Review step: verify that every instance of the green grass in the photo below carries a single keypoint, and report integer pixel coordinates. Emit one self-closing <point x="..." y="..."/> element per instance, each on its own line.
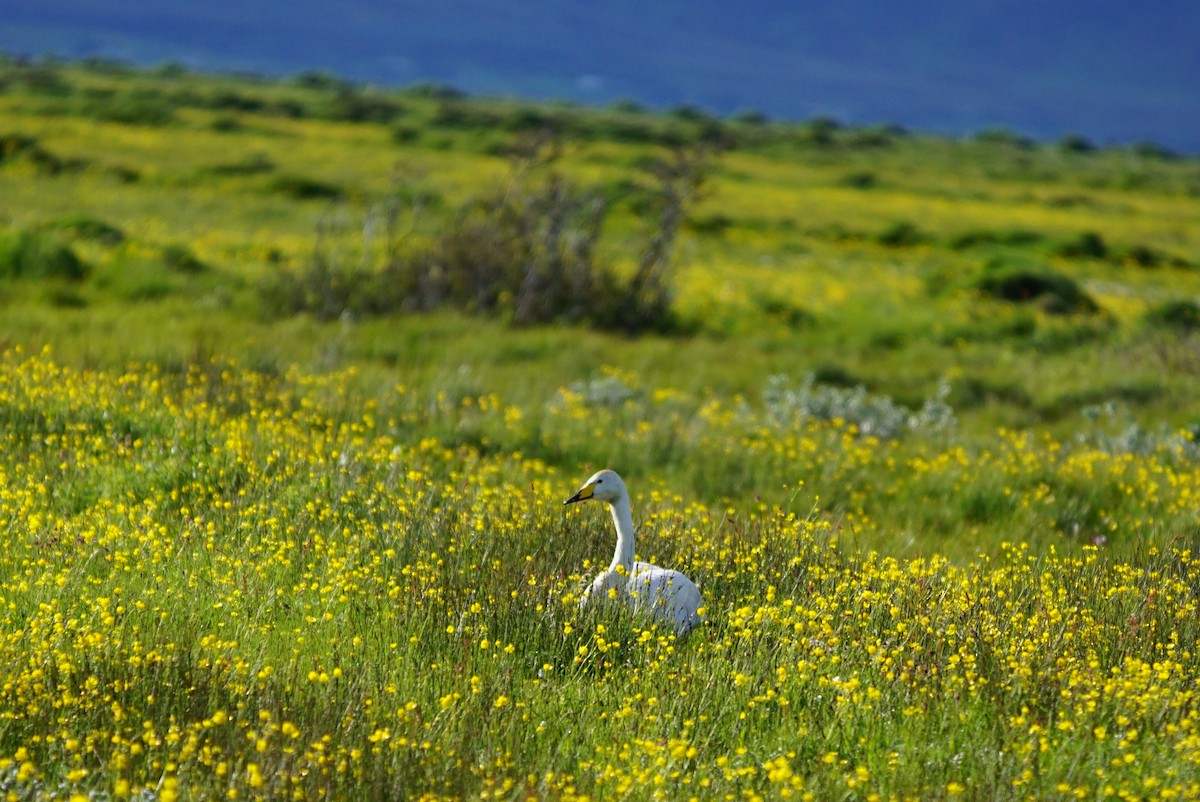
<point x="259" y="556"/>
<point x="220" y="581"/>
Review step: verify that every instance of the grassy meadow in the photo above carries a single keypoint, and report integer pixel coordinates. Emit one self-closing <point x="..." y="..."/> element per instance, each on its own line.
<point x="922" y="428"/>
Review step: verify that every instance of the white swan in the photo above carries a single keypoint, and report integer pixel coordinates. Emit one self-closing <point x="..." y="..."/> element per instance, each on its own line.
<point x="666" y="595"/>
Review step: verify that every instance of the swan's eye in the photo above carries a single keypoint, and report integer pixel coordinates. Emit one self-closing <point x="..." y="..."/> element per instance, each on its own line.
<point x="599" y="481"/>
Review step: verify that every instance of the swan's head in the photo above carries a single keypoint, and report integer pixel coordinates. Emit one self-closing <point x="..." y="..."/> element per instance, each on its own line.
<point x="603" y="486"/>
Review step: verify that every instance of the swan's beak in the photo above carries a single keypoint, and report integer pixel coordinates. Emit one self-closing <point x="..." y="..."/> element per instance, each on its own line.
<point x="584" y="494"/>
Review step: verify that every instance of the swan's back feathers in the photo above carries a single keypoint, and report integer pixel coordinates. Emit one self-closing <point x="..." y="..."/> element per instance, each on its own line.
<point x="666" y="595"/>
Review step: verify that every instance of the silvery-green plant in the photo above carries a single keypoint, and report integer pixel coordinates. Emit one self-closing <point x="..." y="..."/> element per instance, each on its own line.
<point x="1114" y="431"/>
<point x="873" y="415"/>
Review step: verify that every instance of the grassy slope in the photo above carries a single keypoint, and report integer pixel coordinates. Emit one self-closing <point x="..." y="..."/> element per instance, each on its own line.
<point x="271" y="556"/>
<point x="782" y="270"/>
<point x="793" y="237"/>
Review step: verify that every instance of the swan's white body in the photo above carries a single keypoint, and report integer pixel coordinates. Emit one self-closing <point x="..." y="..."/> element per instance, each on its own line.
<point x="666" y="595"/>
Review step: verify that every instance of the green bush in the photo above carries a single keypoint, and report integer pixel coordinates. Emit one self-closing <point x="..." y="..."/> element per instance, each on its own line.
<point x="1054" y="292"/>
<point x="64" y="296"/>
<point x="1076" y="143"/>
<point x="876" y="136"/>
<point x="324" y="81"/>
<point x="42" y="77"/>
<point x="820" y="131"/>
<point x="714" y="224"/>
<point x="132" y="107"/>
<point x="361" y="106"/>
<point x="252" y="164"/>
<point x="1148" y="256"/>
<point x="180" y="258"/>
<point x="231" y="100"/>
<point x="303" y="188"/>
<point x="1145" y="256"/>
<point x="1004" y="138"/>
<point x="89" y="228"/>
<point x="632" y="129"/>
<point x="901" y="235"/>
<point x="1088" y="245"/>
<point x="860" y="180"/>
<point x="38" y="255"/>
<point x="751" y="117"/>
<point x="405" y="134"/>
<point x="789" y="314"/>
<point x="14" y="147"/>
<point x="531" y="119"/>
<point x="1016" y="237"/>
<point x="1179" y="315"/>
<point x="455" y="114"/>
<point x="1153" y="151"/>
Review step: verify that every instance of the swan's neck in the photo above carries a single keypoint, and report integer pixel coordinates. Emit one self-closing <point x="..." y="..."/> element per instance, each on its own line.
<point x="623" y="518"/>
